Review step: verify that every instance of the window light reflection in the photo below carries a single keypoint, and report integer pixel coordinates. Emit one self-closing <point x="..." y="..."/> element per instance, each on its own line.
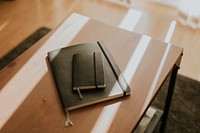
<point x="14" y="92"/>
<point x="130" y="20"/>
<point x="156" y="78"/>
<point x="108" y="113"/>
<point x="105" y="119"/>
<point x="136" y="57"/>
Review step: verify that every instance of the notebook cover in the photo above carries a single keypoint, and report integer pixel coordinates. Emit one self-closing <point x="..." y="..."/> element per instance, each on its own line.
<point x="88" y="72"/>
<point x="61" y="64"/>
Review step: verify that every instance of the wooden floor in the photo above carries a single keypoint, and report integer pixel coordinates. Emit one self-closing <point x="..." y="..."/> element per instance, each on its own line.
<point x="20" y="18"/>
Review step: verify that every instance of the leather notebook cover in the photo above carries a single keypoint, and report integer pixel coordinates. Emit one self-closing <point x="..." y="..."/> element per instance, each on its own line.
<point x="88" y="71"/>
<point x="61" y="62"/>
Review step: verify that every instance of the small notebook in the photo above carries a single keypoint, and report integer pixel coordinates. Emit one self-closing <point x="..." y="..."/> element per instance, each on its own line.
<point x="88" y="71"/>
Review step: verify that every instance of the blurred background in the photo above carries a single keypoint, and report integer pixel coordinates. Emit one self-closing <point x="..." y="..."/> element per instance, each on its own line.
<point x="20" y="18"/>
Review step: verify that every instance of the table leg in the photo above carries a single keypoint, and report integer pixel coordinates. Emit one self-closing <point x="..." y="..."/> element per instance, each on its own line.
<point x="169" y="97"/>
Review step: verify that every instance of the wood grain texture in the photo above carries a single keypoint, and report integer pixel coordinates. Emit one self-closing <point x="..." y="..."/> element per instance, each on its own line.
<point x="20" y="78"/>
<point x="41" y="110"/>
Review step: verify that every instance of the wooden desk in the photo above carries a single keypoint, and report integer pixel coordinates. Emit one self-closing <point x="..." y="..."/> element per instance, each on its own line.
<point x="29" y="101"/>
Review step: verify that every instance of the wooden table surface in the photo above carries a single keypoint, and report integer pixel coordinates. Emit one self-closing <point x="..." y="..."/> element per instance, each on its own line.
<point x="29" y="101"/>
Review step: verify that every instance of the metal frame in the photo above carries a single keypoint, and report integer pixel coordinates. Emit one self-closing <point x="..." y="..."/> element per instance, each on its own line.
<point x="169" y="97"/>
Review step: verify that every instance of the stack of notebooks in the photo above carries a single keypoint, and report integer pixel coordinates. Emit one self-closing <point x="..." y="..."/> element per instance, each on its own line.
<point x="86" y="74"/>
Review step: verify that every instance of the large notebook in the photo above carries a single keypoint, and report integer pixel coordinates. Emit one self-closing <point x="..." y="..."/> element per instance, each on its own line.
<point x="61" y="62"/>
